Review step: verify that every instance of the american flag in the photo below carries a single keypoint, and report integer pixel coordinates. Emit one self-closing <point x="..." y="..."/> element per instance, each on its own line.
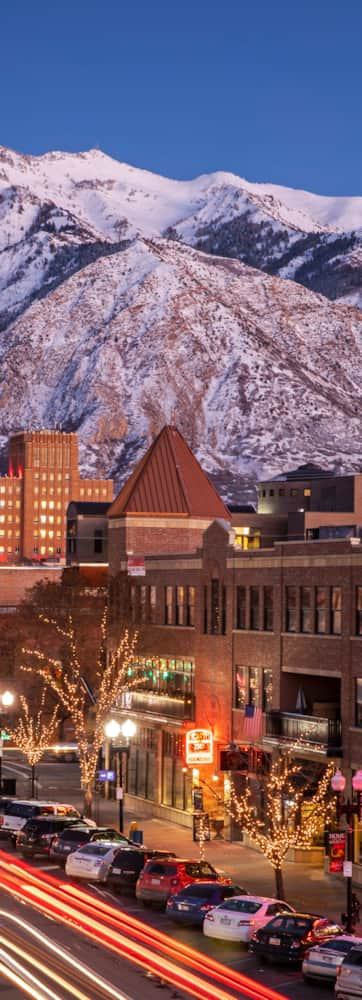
<point x="252" y="725"/>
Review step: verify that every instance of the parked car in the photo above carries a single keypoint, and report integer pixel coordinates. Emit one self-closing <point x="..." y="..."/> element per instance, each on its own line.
<point x="237" y="919"/>
<point x="76" y="836"/>
<point x="4" y="803"/>
<point x="92" y="861"/>
<point x="127" y="865"/>
<point x="349" y="976"/>
<point x="288" y="937"/>
<point x="191" y="905"/>
<point x="37" y="836"/>
<point x="324" y="960"/>
<point x="161" y="879"/>
<point x="20" y="810"/>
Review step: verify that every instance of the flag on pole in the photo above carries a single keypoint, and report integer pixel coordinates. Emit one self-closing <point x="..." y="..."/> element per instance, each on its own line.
<point x="252" y="725"/>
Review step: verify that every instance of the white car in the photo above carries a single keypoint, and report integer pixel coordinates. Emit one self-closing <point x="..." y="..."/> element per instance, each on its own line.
<point x="323" y="961"/>
<point x="92" y="861"/>
<point x="236" y="919"/>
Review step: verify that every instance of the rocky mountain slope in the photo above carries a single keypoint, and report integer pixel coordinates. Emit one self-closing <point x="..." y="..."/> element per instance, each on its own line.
<point x="257" y="372"/>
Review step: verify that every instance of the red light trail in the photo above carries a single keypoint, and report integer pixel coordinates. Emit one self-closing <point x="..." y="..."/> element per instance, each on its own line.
<point x="105" y="924"/>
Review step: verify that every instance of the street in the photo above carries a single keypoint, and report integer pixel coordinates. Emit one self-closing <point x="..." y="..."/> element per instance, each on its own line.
<point x="308" y="889"/>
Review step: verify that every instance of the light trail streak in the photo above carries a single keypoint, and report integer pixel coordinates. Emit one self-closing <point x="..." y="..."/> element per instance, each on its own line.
<point x="79" y="910"/>
<point x="60" y="953"/>
<point x="18" y="975"/>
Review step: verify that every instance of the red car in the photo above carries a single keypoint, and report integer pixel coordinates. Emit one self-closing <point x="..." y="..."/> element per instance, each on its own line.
<point x="161" y="879"/>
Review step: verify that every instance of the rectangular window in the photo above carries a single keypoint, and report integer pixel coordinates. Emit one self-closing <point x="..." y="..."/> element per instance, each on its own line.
<point x="206" y="617"/>
<point x="321" y="610"/>
<point x="336" y="610"/>
<point x="143" y="602"/>
<point x="241" y="680"/>
<point x="168" y="605"/>
<point x="98" y="541"/>
<point x="254" y="608"/>
<point x="153" y="604"/>
<point x="307" y="609"/>
<point x="267" y="690"/>
<point x="359" y="702"/>
<point x="359" y="611"/>
<point x="294" y="493"/>
<point x="291" y="617"/>
<point x="180" y="605"/>
<point x="191" y="598"/>
<point x="307" y="493"/>
<point x="268" y="609"/>
<point x="282" y="493"/>
<point x="255" y="689"/>
<point x="241" y="607"/>
<point x="215" y="607"/>
<point x="223" y="610"/>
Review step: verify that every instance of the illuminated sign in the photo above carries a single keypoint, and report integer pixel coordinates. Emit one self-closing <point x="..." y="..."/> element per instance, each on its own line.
<point x="199" y="746"/>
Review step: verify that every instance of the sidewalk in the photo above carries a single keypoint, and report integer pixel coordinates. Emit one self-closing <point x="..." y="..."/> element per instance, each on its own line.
<point x="306" y="888"/>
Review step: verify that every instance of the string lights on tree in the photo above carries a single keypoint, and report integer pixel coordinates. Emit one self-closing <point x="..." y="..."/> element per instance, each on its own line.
<point x="64" y="677"/>
<point x="286" y="825"/>
<point x="33" y="733"/>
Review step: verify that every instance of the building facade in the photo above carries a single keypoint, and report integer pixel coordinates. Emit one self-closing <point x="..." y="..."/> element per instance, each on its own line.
<point x="43" y="477"/>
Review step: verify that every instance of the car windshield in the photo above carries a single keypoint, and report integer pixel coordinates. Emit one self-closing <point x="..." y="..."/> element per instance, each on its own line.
<point x="241" y="905"/>
<point x="97" y="850"/>
<point x="155" y="868"/>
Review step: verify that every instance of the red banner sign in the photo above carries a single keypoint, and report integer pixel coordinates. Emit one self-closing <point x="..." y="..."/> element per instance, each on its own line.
<point x="337" y="851"/>
<point x="136" y="566"/>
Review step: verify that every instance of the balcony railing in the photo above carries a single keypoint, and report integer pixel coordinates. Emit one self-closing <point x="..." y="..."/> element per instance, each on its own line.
<point x="172" y="707"/>
<point x="309" y="731"/>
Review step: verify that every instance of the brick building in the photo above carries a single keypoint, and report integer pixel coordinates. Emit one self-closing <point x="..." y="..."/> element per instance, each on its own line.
<point x="258" y="646"/>
<point x="43" y="477"/>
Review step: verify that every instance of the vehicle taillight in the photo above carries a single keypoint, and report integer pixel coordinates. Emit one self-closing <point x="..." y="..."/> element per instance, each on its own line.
<point x="206" y="906"/>
<point x="209" y="916"/>
<point x="56" y="842"/>
<point x="174" y="881"/>
<point x="244" y="923"/>
<point x="295" y="944"/>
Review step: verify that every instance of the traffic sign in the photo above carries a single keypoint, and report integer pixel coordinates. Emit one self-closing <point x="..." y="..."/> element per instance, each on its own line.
<point x="5" y="735"/>
<point x="106" y="775"/>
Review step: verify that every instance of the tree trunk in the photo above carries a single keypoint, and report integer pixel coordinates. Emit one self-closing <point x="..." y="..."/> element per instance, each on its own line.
<point x="88" y="801"/>
<point x="279" y="883"/>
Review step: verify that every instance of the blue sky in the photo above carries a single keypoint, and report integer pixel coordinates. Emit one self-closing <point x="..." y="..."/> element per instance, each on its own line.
<point x="268" y="90"/>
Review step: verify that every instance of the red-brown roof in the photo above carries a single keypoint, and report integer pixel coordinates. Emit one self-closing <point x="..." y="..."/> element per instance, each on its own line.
<point x="169" y="480"/>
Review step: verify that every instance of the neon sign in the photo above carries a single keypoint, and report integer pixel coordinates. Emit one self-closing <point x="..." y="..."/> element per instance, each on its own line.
<point x="199" y="746"/>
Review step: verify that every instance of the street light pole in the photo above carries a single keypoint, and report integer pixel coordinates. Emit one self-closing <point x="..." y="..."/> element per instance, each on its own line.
<point x="349" y="808"/>
<point x="112" y="730"/>
<point x="6" y="699"/>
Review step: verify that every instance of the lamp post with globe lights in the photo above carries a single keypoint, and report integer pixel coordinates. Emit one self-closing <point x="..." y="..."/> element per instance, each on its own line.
<point x="113" y="730"/>
<point x="7" y="700"/>
<point x="349" y="808"/>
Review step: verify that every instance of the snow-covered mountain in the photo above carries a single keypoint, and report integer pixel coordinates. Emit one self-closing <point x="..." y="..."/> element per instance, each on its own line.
<point x="257" y="372"/>
<point x="117" y="315"/>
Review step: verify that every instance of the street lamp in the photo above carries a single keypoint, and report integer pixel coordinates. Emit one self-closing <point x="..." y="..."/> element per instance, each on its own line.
<point x="349" y="808"/>
<point x="113" y="729"/>
<point x="7" y="699"/>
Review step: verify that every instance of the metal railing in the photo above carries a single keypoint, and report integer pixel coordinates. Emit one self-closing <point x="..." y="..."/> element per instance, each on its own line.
<point x="173" y="707"/>
<point x="315" y="731"/>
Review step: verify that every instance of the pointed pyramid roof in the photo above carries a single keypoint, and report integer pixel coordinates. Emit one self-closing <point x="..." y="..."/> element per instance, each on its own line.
<point x="168" y="480"/>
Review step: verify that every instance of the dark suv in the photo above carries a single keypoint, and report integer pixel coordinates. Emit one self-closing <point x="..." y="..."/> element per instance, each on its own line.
<point x="70" y="839"/>
<point x="127" y="865"/>
<point x="37" y="834"/>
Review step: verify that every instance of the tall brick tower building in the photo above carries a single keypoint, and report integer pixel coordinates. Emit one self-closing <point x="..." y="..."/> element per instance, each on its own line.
<point x="43" y="478"/>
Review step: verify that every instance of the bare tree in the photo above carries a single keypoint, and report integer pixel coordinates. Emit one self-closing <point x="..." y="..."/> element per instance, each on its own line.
<point x="285" y="823"/>
<point x="34" y="733"/>
<point x="87" y="707"/>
